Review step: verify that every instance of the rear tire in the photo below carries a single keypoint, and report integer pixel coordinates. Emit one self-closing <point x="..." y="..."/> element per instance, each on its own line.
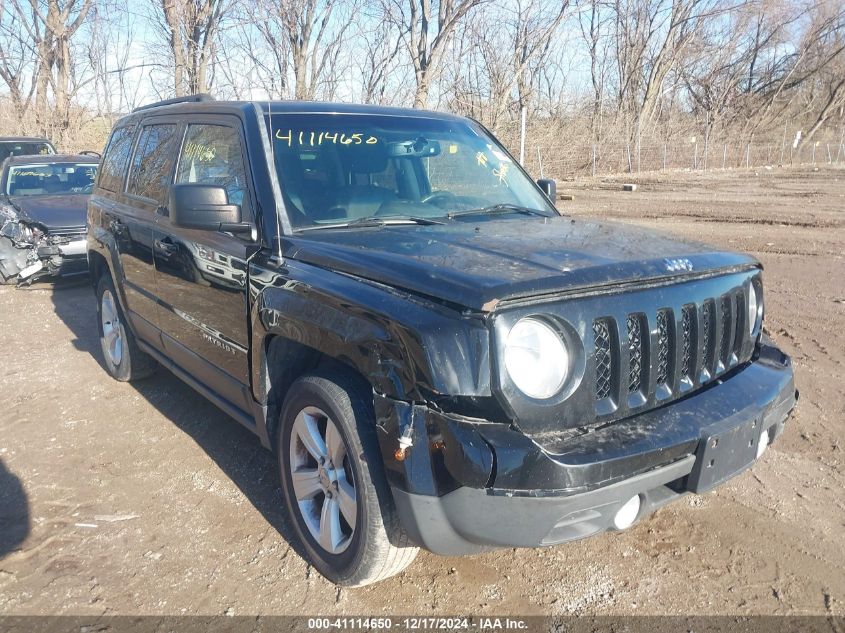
<point x="122" y="357"/>
<point x="333" y="481"/>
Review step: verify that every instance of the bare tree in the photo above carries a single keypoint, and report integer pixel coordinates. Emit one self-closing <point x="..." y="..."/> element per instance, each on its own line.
<point x="191" y="28"/>
<point x="506" y="48"/>
<point x="303" y="40"/>
<point x="427" y="28"/>
<point x="651" y="38"/>
<point x="380" y="56"/>
<point x="114" y="71"/>
<point x="807" y="43"/>
<point x="586" y="71"/>
<point x="51" y="25"/>
<point x="593" y="25"/>
<point x="17" y="59"/>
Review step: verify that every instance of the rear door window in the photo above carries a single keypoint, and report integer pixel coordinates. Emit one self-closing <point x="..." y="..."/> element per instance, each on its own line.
<point x="152" y="164"/>
<point x="115" y="158"/>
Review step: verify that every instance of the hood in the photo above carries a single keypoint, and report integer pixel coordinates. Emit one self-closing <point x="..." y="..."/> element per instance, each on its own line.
<point x="478" y="264"/>
<point x="59" y="213"/>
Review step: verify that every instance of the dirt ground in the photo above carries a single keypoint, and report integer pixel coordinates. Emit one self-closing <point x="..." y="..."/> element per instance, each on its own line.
<point x="145" y="499"/>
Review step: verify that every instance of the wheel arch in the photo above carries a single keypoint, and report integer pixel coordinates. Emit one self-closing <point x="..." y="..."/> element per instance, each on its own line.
<point x="283" y="361"/>
<point x="103" y="257"/>
<point x="97" y="266"/>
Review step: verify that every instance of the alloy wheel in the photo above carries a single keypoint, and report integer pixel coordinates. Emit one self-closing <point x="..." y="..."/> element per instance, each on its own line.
<point x="323" y="480"/>
<point x="110" y="319"/>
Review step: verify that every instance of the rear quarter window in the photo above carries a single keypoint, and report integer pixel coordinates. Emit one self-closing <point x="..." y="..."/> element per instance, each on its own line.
<point x="115" y="158"/>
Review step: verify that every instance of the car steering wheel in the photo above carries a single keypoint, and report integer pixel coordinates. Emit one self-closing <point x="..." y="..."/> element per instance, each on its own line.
<point x="435" y="195"/>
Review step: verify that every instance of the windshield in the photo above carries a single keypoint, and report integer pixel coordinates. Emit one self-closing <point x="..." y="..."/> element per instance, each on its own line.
<point x="58" y="178"/>
<point x="341" y="168"/>
<point x="23" y="149"/>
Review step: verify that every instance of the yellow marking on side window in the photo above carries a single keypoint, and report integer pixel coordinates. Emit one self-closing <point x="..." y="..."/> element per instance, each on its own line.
<point x="200" y="152"/>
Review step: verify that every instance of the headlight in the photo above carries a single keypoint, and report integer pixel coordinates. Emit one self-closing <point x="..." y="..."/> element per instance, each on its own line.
<point x="536" y="358"/>
<point x="753" y="309"/>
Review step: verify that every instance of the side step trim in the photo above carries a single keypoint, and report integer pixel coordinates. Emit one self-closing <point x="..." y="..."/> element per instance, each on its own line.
<point x="227" y="407"/>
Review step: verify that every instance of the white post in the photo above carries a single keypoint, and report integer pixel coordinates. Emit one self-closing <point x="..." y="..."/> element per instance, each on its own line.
<point x="522" y="139"/>
<point x="540" y="161"/>
<point x="639" y="147"/>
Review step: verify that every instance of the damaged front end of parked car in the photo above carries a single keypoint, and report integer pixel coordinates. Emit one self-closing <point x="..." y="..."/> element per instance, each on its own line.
<point x="42" y="216"/>
<point x="29" y="250"/>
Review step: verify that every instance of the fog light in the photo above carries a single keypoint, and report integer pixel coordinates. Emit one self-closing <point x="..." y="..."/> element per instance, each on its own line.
<point x="762" y="443"/>
<point x="627" y="514"/>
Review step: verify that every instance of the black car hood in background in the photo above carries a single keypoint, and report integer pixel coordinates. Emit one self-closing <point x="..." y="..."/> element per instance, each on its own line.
<point x="476" y="264"/>
<point x="57" y="213"/>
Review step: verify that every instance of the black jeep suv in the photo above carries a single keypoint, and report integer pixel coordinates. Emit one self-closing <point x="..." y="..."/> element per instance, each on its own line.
<point x="438" y="357"/>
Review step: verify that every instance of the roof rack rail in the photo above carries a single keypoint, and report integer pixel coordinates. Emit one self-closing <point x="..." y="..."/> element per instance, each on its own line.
<point x="198" y="98"/>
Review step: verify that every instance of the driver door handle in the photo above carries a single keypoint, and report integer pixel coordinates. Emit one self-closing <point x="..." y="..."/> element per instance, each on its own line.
<point x="166" y="246"/>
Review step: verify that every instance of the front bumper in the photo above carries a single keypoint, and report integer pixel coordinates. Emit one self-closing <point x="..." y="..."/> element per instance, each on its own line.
<point x="468" y="486"/>
<point x="25" y="262"/>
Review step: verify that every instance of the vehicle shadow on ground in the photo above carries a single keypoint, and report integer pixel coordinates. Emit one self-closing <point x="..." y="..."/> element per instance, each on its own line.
<point x="236" y="450"/>
<point x="14" y="512"/>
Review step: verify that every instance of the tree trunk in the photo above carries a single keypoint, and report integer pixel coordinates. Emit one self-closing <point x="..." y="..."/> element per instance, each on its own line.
<point x="171" y="16"/>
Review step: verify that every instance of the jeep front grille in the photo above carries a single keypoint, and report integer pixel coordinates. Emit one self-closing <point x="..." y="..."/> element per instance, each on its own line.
<point x="646" y="357"/>
<point x="686" y="342"/>
<point x="635" y="347"/>
<point x="635" y="352"/>
<point x="725" y="343"/>
<point x="707" y="326"/>
<point x="663" y="343"/>
<point x="601" y="338"/>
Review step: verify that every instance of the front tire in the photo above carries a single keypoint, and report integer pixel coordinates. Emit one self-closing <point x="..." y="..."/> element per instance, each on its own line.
<point x="122" y="357"/>
<point x="333" y="482"/>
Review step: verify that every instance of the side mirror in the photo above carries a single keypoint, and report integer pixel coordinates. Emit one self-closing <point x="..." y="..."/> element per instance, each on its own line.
<point x="549" y="188"/>
<point x="205" y="207"/>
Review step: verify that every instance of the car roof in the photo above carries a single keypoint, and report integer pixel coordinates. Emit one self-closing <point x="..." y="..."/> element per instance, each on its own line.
<point x="211" y="106"/>
<point x="49" y="159"/>
<point x="323" y="107"/>
<point x="24" y="139"/>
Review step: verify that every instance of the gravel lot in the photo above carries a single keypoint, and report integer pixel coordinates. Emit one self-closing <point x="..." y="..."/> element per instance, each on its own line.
<point x="145" y="499"/>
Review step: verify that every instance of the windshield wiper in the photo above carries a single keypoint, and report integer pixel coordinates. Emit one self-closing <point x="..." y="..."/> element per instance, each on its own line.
<point x="373" y="221"/>
<point x="505" y="207"/>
